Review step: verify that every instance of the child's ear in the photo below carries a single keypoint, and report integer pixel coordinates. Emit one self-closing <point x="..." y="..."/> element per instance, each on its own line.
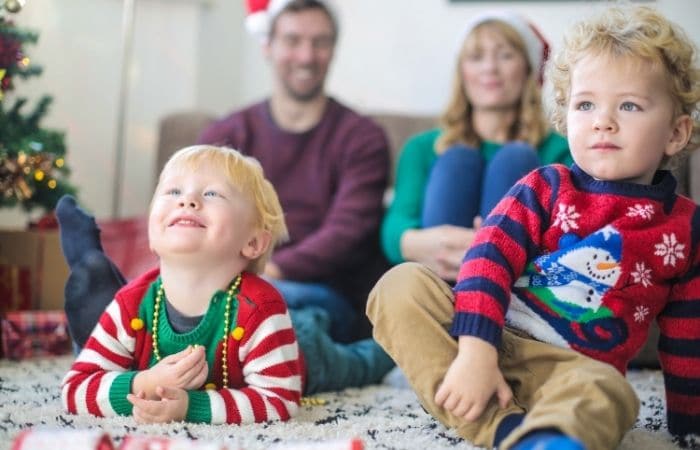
<point x="258" y="244"/>
<point x="680" y="134"/>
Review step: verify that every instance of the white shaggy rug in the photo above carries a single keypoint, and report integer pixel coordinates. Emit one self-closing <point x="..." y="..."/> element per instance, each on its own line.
<point x="384" y="417"/>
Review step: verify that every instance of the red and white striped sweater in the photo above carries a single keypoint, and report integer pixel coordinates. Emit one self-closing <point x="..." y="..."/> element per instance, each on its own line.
<point x="265" y="367"/>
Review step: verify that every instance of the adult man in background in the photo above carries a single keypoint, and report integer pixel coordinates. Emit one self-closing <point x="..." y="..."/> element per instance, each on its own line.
<point x="328" y="164"/>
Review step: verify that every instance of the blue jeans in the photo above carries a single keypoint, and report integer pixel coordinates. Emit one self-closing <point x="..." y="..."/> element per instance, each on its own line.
<point x="344" y="319"/>
<point x="330" y="365"/>
<point x="462" y="185"/>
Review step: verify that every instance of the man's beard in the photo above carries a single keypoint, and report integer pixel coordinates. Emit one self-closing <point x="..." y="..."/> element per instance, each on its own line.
<point x="304" y="96"/>
<point x="306" y="93"/>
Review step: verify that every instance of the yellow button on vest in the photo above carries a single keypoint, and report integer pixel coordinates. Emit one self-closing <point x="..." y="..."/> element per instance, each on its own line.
<point x="237" y="333"/>
<point x="136" y="324"/>
<point x="210" y="386"/>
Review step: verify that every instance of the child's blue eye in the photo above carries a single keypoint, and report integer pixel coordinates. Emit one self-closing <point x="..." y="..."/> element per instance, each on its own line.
<point x="629" y="106"/>
<point x="211" y="194"/>
<point x="584" y="106"/>
<point x="172" y="191"/>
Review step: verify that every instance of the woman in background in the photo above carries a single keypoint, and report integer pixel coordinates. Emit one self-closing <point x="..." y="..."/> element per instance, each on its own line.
<point x="492" y="132"/>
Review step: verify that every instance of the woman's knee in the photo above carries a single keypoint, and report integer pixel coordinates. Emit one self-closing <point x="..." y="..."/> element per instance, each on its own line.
<point x="510" y="163"/>
<point x="460" y="158"/>
<point x="517" y="155"/>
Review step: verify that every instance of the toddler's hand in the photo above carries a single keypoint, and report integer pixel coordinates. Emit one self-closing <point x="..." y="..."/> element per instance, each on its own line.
<point x="186" y="370"/>
<point x="170" y="406"/>
<point x="472" y="379"/>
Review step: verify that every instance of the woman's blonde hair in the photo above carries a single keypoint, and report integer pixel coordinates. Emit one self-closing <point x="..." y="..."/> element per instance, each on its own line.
<point x="638" y="32"/>
<point x="456" y="121"/>
<point x="245" y="174"/>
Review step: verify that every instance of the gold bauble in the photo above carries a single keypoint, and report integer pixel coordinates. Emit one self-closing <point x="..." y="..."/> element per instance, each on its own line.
<point x="14" y="6"/>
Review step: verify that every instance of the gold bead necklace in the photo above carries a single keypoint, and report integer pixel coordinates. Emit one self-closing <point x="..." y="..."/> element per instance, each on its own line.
<point x="227" y="323"/>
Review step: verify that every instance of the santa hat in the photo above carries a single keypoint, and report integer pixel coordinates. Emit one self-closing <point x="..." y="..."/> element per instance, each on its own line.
<point x="536" y="45"/>
<point x="261" y="14"/>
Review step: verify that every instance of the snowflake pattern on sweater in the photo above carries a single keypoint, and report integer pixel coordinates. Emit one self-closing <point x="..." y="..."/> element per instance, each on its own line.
<point x="588" y="264"/>
<point x="265" y="366"/>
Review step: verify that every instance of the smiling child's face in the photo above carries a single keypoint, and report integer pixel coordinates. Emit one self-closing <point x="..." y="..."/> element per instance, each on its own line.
<point x="198" y="213"/>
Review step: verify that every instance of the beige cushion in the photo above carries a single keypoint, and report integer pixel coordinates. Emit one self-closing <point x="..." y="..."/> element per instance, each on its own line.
<point x="179" y="130"/>
<point x="398" y="128"/>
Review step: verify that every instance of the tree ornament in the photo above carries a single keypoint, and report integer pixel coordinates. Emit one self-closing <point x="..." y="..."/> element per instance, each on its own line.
<point x="14" y="6"/>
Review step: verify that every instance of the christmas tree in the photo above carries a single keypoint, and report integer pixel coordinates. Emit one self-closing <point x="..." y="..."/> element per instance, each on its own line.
<point x="33" y="170"/>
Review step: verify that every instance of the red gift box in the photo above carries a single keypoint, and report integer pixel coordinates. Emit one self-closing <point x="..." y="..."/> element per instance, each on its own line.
<point x="27" y="334"/>
<point x="15" y="288"/>
<point x="125" y="241"/>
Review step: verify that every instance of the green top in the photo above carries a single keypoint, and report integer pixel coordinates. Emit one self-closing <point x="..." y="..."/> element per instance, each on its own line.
<point x="208" y="333"/>
<point x="416" y="160"/>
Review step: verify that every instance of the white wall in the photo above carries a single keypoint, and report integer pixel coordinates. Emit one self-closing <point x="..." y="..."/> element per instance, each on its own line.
<point x="398" y="55"/>
<point x="393" y="55"/>
<point x="80" y="50"/>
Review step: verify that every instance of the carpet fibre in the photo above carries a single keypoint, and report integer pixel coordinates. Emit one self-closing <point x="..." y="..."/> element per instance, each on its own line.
<point x="387" y="416"/>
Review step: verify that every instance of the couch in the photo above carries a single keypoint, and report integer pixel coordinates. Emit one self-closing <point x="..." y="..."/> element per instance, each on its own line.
<point x="180" y="129"/>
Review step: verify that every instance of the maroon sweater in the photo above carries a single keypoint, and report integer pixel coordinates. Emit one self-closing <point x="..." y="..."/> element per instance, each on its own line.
<point x="330" y="181"/>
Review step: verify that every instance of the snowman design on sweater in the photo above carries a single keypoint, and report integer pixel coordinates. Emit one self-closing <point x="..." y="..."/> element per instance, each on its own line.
<point x="561" y="296"/>
<point x="588" y="264"/>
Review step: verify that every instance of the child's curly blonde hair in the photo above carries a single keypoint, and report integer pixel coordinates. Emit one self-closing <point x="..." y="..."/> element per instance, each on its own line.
<point x="245" y="174"/>
<point x="639" y="32"/>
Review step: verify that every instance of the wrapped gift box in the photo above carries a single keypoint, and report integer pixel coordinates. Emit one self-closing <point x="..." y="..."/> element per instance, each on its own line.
<point x="31" y="266"/>
<point x="15" y="288"/>
<point x="27" y="334"/>
<point x="125" y="241"/>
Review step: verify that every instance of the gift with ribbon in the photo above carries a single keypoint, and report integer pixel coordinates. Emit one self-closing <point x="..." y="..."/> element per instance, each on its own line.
<point x="27" y="334"/>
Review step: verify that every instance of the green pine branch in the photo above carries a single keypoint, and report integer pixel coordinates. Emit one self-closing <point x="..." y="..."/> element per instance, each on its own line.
<point x="21" y="133"/>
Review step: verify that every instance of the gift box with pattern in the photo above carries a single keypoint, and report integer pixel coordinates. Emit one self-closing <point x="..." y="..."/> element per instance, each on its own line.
<point x="27" y="334"/>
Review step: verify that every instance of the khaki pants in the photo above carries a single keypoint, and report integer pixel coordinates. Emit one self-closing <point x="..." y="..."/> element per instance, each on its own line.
<point x="412" y="309"/>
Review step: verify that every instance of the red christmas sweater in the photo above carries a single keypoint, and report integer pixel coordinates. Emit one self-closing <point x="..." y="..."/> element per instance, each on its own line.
<point x="264" y="362"/>
<point x="587" y="265"/>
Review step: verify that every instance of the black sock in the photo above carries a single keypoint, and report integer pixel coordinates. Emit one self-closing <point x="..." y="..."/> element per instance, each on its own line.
<point x="91" y="286"/>
<point x="79" y="232"/>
